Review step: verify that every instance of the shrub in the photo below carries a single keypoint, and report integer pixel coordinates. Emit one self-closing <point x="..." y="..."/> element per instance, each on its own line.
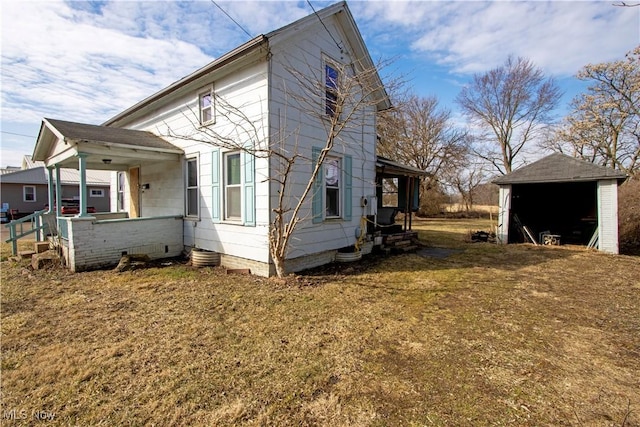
<point x="629" y="216"/>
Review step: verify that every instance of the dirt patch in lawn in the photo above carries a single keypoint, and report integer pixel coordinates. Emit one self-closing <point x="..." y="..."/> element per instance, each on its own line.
<point x="490" y="335"/>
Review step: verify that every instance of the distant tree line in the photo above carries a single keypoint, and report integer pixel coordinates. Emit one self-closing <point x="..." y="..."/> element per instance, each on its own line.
<point x="509" y="113"/>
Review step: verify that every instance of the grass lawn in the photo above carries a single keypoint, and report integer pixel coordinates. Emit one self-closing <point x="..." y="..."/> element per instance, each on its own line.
<point x="491" y="335"/>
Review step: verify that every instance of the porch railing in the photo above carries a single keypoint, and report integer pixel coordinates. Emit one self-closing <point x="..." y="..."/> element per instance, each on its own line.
<point x="17" y="230"/>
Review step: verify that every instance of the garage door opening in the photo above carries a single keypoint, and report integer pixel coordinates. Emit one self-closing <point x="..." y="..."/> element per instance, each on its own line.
<point x="567" y="210"/>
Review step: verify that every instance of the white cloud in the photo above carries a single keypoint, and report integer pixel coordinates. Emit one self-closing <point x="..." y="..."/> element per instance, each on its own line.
<point x="470" y="36"/>
<point x="57" y="62"/>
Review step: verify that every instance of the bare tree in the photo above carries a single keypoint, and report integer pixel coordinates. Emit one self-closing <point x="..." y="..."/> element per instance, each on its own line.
<point x="509" y="106"/>
<point x="417" y="132"/>
<point x="465" y="181"/>
<point x="604" y="125"/>
<point x="339" y="102"/>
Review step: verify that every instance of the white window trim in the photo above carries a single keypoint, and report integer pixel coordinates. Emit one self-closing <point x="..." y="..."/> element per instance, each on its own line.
<point x="225" y="216"/>
<point x="24" y="193"/>
<point x="120" y="192"/>
<point x="196" y="216"/>
<point x="204" y="92"/>
<point x="99" y="192"/>
<point x="340" y="187"/>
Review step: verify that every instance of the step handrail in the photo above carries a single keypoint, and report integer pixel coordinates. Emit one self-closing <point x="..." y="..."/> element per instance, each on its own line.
<point x="37" y="224"/>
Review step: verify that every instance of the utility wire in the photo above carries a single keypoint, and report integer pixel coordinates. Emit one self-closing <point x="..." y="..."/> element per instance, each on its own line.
<point x="325" y="27"/>
<point x="17" y="134"/>
<point x="234" y="21"/>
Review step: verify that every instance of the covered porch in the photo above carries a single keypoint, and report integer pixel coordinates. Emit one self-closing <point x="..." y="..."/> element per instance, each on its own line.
<point x="94" y="240"/>
<point x="397" y="199"/>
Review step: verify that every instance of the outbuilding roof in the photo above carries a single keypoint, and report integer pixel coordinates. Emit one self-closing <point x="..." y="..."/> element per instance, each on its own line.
<point x="559" y="167"/>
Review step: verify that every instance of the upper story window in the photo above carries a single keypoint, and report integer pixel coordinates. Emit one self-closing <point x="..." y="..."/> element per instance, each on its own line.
<point x="29" y="193"/>
<point x="206" y="105"/>
<point x="192" y="190"/>
<point x="333" y="183"/>
<point x="331" y="76"/>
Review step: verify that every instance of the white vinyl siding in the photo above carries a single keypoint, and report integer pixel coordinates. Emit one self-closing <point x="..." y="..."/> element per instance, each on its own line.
<point x="608" y="216"/>
<point x="503" y="213"/>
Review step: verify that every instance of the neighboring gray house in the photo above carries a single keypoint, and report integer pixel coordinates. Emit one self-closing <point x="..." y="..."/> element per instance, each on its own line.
<point x="562" y="196"/>
<point x="25" y="190"/>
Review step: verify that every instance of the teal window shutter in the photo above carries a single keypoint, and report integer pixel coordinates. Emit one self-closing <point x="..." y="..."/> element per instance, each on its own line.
<point x="316" y="203"/>
<point x="215" y="186"/>
<point x="248" y="162"/>
<point x="348" y="190"/>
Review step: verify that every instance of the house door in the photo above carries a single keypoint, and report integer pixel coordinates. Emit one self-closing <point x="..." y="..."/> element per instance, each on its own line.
<point x="134" y="192"/>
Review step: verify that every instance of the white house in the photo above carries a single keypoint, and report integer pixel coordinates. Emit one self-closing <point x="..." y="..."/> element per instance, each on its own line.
<point x="176" y="186"/>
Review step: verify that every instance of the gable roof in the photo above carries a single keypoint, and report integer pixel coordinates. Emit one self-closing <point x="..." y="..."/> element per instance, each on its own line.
<point x="559" y="167"/>
<point x="127" y="137"/>
<point x="260" y="44"/>
<point x="60" y="143"/>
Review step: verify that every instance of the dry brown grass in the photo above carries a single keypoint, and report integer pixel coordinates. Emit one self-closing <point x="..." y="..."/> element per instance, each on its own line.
<point x="492" y="335"/>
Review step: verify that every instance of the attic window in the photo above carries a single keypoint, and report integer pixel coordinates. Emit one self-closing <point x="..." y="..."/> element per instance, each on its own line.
<point x="331" y="89"/>
<point x="206" y="107"/>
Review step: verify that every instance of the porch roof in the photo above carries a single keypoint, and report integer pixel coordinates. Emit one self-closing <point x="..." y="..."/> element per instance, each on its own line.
<point x="60" y="143"/>
<point x="389" y="168"/>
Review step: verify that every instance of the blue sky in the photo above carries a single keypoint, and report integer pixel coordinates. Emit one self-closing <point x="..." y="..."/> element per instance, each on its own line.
<point x="86" y="61"/>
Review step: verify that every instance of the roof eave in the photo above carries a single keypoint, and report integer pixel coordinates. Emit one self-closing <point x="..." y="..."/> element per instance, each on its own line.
<point x="229" y="57"/>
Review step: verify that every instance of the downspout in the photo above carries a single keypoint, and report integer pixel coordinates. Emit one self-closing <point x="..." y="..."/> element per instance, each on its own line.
<point x="269" y="131"/>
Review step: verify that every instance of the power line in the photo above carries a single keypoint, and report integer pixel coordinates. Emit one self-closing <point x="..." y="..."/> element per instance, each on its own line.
<point x="325" y="27"/>
<point x="234" y="21"/>
<point x="17" y="134"/>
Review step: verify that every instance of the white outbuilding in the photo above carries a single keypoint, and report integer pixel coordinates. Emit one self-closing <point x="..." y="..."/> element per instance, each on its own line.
<point x="560" y="199"/>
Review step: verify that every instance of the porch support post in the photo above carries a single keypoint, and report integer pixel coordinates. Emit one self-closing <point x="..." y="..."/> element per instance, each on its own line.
<point x="82" y="165"/>
<point x="51" y="189"/>
<point x="58" y="202"/>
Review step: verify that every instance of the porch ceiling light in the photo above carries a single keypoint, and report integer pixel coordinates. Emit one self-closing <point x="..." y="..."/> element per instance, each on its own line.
<point x="106" y="161"/>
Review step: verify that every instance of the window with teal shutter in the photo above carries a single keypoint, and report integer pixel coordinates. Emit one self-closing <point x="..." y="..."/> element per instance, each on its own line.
<point x="348" y="191"/>
<point x="215" y="186"/>
<point x="317" y="199"/>
<point x="248" y="161"/>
